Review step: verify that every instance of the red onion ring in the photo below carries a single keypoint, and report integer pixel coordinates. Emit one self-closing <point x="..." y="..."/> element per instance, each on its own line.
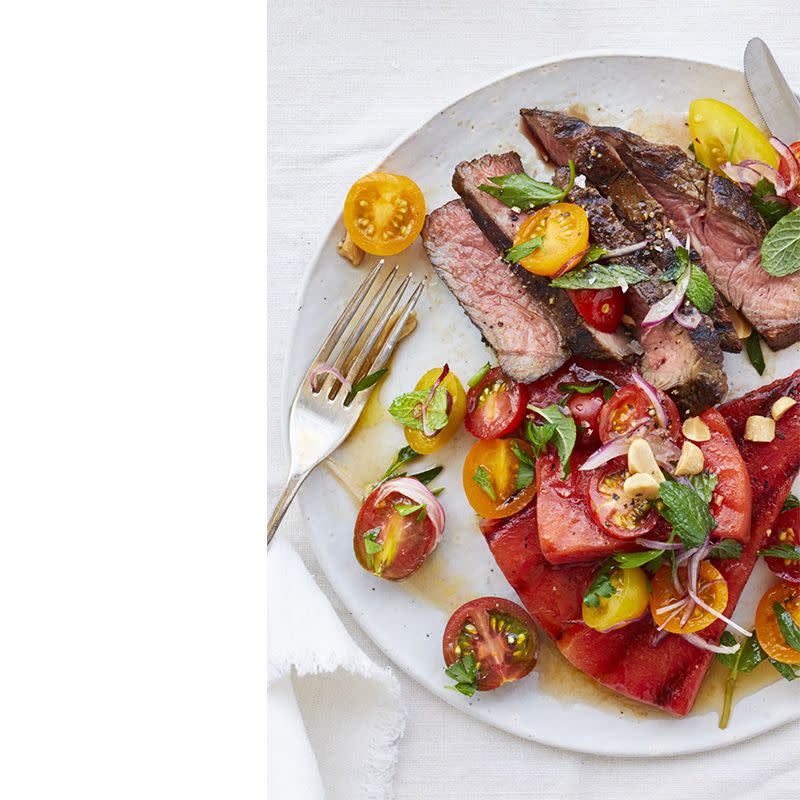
<point x="625" y="251"/>
<point x="664" y="307"/>
<point x="417" y="492"/>
<point x="609" y="451"/>
<point x="688" y="319"/>
<point x="326" y="368"/>
<point x="741" y="174"/>
<point x="768" y="172"/>
<point x="650" y="391"/>
<point x="652" y="544"/>
<point x="790" y="160"/>
<point x="426" y="429"/>
<point x="672" y="239"/>
<point x="702" y="644"/>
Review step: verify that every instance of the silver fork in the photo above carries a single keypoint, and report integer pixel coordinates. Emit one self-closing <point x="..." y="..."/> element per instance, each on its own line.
<point x="361" y="342"/>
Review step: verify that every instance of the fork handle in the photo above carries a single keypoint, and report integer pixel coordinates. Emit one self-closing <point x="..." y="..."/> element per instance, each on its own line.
<point x="292" y="485"/>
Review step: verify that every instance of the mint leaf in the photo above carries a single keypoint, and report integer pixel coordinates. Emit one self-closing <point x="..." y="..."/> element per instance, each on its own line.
<point x="785" y="669"/>
<point x="577" y="388"/>
<point x="631" y="560"/>
<point x="686" y="511"/>
<point x="600" y="276"/>
<point x="788" y="627"/>
<point x="752" y="346"/>
<point x="405" y="510"/>
<point x="564" y="433"/>
<point x="479" y="375"/>
<point x="365" y="383"/>
<point x="594" y="253"/>
<point x="790" y="502"/>
<point x="700" y="292"/>
<point x="371" y="545"/>
<point x="681" y="263"/>
<point x="772" y="210"/>
<point x="780" y="250"/>
<point x="538" y="435"/>
<point x="788" y="552"/>
<point x="728" y="659"/>
<point x="404" y="455"/>
<point x="746" y="658"/>
<point x="522" y="250"/>
<point x="465" y="673"/>
<point x="484" y="479"/>
<point x="527" y="467"/>
<point x="426" y="476"/>
<point x="704" y="484"/>
<point x="519" y="190"/>
<point x="601" y="585"/>
<point x="726" y="548"/>
<point x="407" y="409"/>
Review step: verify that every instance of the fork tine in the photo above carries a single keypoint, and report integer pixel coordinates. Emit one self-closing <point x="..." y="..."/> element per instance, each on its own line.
<point x="346" y="317"/>
<point x="375" y="333"/>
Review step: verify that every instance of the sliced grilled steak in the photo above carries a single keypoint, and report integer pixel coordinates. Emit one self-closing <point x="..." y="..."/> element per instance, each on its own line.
<point x="686" y="363"/>
<point x="517" y="325"/>
<point x="500" y="225"/>
<point x="725" y="228"/>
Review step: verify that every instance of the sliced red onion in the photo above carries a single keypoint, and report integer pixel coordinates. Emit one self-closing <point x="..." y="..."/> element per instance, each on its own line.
<point x="417" y="492"/>
<point x="322" y="369"/>
<point x="790" y="160"/>
<point x="690" y="607"/>
<point x="625" y="251"/>
<point x="426" y="429"/>
<point x="658" y="637"/>
<point x="768" y="172"/>
<point x="690" y="318"/>
<point x="609" y="451"/>
<point x="672" y="239"/>
<point x="673" y="606"/>
<point x="702" y="644"/>
<point x="652" y="544"/>
<point x="652" y="394"/>
<point x="664" y="307"/>
<point x="672" y="616"/>
<point x="741" y="174"/>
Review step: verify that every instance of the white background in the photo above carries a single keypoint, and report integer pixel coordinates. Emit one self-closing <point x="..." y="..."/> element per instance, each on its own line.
<point x="348" y="78"/>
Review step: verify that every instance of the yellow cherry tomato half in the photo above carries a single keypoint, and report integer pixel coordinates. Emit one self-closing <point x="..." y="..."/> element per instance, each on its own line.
<point x="490" y="474"/>
<point x="767" y="629"/>
<point x="627" y="604"/>
<point x="564" y="228"/>
<point x="384" y="213"/>
<point x="427" y="444"/>
<point x="720" y="133"/>
<point x="712" y="589"/>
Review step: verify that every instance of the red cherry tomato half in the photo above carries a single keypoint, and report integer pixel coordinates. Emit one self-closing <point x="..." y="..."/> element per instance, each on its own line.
<point x="618" y="515"/>
<point x="629" y="408"/>
<point x="496" y="406"/>
<point x="601" y="308"/>
<point x="786" y="530"/>
<point x="585" y="410"/>
<point x="389" y="541"/>
<point x="499" y="634"/>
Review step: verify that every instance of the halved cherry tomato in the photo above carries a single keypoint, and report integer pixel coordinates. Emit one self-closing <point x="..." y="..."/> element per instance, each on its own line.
<point x="389" y="544"/>
<point x="794" y="194"/>
<point x="585" y="410"/>
<point x="786" y="530"/>
<point x="564" y="228"/>
<point x="712" y="590"/>
<point x="427" y="444"/>
<point x="384" y="213"/>
<point x="629" y="408"/>
<point x="499" y="634"/>
<point x="721" y="133"/>
<point x="495" y="406"/>
<point x="496" y="461"/>
<point x="769" y="633"/>
<point x="617" y="514"/>
<point x="601" y="308"/>
<point x="626" y="605"/>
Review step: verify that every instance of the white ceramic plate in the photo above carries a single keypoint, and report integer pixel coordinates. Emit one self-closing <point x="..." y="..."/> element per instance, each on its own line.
<point x="556" y="704"/>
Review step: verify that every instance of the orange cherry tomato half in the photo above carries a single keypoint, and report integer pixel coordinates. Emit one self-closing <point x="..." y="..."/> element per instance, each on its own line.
<point x="384" y="213"/>
<point x="767" y="629"/>
<point x="712" y="589"/>
<point x="564" y="228"/>
<point x="491" y="470"/>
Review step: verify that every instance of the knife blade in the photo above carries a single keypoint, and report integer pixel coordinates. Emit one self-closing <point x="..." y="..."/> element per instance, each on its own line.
<point x="775" y="100"/>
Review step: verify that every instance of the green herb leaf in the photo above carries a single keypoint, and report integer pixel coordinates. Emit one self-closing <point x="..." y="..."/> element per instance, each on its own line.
<point x="771" y="210"/>
<point x="780" y="250"/>
<point x="407" y="408"/>
<point x="564" y="435"/>
<point x="594" y="253"/>
<point x="704" y="484"/>
<point x="465" y="673"/>
<point x="601" y="585"/>
<point x="788" y="627"/>
<point x="426" y="476"/>
<point x="526" y="471"/>
<point x="726" y="548"/>
<point x="479" y="375"/>
<point x="681" y="263"/>
<point x="577" y="388"/>
<point x="686" y="511"/>
<point x="690" y="147"/>
<point x="790" y="502"/>
<point x="784" y="669"/>
<point x="700" y="292"/>
<point x="599" y="276"/>
<point x="538" y="435"/>
<point x="752" y="654"/>
<point x="404" y="455"/>
<point x="786" y="551"/>
<point x="519" y="190"/>
<point x="728" y="659"/>
<point x="523" y="249"/>
<point x="484" y="480"/>
<point x="365" y="383"/>
<point x="437" y="491"/>
<point x="405" y="510"/>
<point x="631" y="560"/>
<point x="371" y="545"/>
<point x="752" y="346"/>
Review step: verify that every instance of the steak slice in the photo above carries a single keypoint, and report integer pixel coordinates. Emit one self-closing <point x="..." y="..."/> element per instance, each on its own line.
<point x="629" y="660"/>
<point x="517" y="325"/>
<point x="500" y="224"/>
<point x="725" y="228"/>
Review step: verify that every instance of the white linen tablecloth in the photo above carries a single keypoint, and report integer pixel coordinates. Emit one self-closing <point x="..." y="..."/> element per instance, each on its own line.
<point x="346" y="79"/>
